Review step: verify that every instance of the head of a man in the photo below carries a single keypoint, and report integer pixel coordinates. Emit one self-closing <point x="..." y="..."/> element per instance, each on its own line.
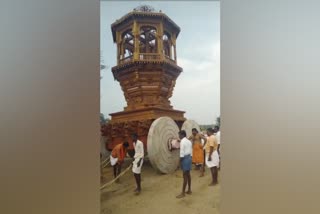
<point x="194" y="131"/>
<point x="216" y="129"/>
<point x="210" y="131"/>
<point x="182" y="134"/>
<point x="134" y="137"/>
<point x="126" y="144"/>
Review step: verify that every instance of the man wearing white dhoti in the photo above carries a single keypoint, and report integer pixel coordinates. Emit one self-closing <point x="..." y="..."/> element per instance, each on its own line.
<point x="212" y="156"/>
<point x="217" y="135"/>
<point x="138" y="161"/>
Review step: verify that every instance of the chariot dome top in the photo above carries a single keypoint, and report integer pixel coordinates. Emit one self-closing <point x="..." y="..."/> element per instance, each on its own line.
<point x="142" y="12"/>
<point x="144" y="8"/>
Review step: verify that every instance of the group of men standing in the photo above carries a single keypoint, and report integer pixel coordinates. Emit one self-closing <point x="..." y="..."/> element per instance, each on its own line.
<point x="201" y="150"/>
<point x="198" y="149"/>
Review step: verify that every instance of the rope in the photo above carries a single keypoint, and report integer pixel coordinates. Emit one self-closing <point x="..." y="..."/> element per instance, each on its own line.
<point x="103" y="162"/>
<point x="111" y="182"/>
<point x="106" y="164"/>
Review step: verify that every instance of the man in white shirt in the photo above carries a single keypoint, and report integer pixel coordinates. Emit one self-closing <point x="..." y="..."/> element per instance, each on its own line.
<point x="138" y="161"/>
<point x="212" y="156"/>
<point x="185" y="162"/>
<point x="217" y="135"/>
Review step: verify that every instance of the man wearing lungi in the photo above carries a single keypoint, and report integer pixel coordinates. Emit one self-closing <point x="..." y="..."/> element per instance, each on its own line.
<point x="212" y="156"/>
<point x="138" y="161"/>
<point x="197" y="150"/>
<point x="217" y="135"/>
<point x="185" y="162"/>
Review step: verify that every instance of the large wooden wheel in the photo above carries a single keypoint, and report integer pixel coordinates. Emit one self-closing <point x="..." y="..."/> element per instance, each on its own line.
<point x="161" y="132"/>
<point x="188" y="125"/>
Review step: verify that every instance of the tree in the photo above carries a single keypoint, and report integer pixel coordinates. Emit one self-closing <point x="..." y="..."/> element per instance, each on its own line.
<point x="218" y="123"/>
<point x="205" y="127"/>
<point x="102" y="119"/>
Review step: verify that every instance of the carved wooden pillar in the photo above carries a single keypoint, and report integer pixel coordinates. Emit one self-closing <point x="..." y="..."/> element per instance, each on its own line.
<point x="118" y="54"/>
<point x="121" y="49"/>
<point x="174" y="46"/>
<point x="118" y="47"/>
<point x="135" y="31"/>
<point x="170" y="49"/>
<point x="160" y="42"/>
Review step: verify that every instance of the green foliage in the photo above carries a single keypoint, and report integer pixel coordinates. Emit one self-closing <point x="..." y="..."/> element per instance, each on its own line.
<point x="218" y="122"/>
<point x="102" y="119"/>
<point x="205" y="127"/>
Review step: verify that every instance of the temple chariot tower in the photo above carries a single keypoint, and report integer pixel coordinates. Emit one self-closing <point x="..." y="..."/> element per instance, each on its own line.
<point x="147" y="71"/>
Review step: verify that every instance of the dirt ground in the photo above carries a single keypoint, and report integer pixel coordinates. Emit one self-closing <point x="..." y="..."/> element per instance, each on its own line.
<point x="158" y="194"/>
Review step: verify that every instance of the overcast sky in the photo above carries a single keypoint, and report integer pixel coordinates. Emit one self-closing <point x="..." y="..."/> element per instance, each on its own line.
<point x="197" y="89"/>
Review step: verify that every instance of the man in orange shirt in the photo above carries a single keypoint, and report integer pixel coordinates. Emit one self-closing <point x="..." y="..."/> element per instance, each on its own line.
<point x="117" y="157"/>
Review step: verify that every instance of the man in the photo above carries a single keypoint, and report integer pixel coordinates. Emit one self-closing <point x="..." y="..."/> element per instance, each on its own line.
<point x="117" y="158"/>
<point x="138" y="161"/>
<point x="212" y="156"/>
<point x="185" y="162"/>
<point x="217" y="135"/>
<point x="197" y="150"/>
